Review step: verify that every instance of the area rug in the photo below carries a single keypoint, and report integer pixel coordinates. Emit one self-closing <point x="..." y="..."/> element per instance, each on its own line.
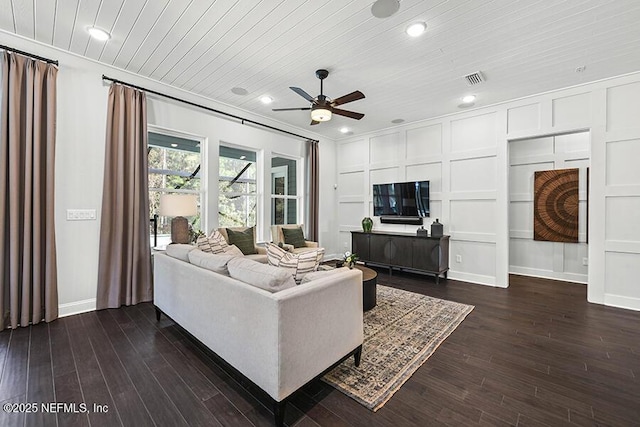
<point x="400" y="333"/>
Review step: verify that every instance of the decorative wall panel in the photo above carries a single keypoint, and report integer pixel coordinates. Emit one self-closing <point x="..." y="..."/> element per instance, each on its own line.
<point x="556" y="205"/>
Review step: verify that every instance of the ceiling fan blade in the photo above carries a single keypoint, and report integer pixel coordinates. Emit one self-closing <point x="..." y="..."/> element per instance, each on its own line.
<point x="302" y="93"/>
<point x="313" y="122"/>
<point x="353" y="96"/>
<point x="350" y="114"/>
<point x="291" y="109"/>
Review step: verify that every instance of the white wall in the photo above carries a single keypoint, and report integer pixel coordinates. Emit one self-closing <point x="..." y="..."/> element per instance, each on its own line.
<point x="467" y="155"/>
<point x="560" y="261"/>
<point x="81" y="121"/>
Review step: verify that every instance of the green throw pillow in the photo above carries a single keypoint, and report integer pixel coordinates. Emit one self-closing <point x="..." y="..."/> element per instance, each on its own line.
<point x="294" y="236"/>
<point x="243" y="240"/>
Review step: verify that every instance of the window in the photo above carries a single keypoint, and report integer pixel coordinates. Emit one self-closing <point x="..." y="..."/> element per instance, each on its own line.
<point x="238" y="200"/>
<point x="284" y="191"/>
<point x="174" y="167"/>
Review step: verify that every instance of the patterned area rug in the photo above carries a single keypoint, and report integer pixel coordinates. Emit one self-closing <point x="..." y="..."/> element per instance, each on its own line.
<point x="400" y="333"/>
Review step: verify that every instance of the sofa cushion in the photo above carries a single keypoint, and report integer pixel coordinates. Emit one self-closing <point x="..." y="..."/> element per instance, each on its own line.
<point x="214" y="262"/>
<point x="263" y="276"/>
<point x="243" y="240"/>
<point x="233" y="250"/>
<point x="298" y="264"/>
<point x="179" y="251"/>
<point x="320" y="274"/>
<point x="294" y="236"/>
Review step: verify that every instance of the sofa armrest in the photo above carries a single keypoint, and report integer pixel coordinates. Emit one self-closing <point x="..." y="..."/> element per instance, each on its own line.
<point x="310" y="244"/>
<point x="319" y="323"/>
<point x="261" y="250"/>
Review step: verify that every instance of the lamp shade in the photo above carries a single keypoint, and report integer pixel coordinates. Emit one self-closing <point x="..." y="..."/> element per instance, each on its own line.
<point x="321" y="114"/>
<point x="178" y="204"/>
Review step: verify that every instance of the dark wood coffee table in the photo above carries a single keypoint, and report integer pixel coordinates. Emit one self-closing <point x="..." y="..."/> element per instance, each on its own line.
<point x="369" y="282"/>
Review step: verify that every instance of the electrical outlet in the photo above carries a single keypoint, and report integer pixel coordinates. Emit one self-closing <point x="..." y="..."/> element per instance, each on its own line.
<point x="585" y="261"/>
<point x="458" y="258"/>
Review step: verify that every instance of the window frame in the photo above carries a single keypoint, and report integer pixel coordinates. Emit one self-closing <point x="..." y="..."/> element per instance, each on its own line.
<point x="202" y="191"/>
<point x="298" y="198"/>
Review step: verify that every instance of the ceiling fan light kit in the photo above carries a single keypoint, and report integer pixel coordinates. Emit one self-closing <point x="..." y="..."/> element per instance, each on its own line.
<point x="320" y="114"/>
<point x="322" y="108"/>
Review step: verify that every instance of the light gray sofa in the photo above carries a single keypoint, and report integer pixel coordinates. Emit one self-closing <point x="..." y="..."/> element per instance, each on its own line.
<point x="280" y="341"/>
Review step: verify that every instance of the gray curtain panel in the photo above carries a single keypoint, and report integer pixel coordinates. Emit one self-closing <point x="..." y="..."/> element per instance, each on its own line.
<point x="124" y="266"/>
<point x="28" y="267"/>
<point x="313" y="187"/>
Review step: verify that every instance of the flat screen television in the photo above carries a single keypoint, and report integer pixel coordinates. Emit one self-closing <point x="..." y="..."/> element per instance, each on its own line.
<point x="408" y="199"/>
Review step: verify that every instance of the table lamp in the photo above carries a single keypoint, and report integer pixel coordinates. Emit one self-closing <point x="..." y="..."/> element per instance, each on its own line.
<point x="178" y="206"/>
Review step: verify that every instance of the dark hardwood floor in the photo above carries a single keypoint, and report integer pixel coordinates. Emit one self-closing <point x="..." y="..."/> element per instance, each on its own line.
<point x="533" y="354"/>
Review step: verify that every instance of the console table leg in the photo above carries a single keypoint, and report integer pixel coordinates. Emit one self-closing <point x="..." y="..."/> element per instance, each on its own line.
<point x="158" y="313"/>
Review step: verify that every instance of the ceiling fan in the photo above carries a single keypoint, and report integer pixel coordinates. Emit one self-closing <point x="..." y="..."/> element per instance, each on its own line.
<point x="322" y="107"/>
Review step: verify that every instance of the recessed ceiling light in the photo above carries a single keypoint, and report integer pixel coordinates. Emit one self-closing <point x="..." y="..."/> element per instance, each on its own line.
<point x="344" y="130"/>
<point x="397" y="121"/>
<point x="174" y="145"/>
<point x="384" y="8"/>
<point x="240" y="91"/>
<point x="416" y="29"/>
<point x="243" y="157"/>
<point x="99" y="34"/>
<point x="266" y="99"/>
<point x="469" y="99"/>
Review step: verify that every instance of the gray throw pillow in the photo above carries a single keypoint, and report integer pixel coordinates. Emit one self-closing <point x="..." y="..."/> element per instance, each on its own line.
<point x="243" y="240"/>
<point x="294" y="236"/>
<point x="214" y="262"/>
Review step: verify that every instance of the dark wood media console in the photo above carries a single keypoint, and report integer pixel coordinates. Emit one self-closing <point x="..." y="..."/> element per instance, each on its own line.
<point x="403" y="251"/>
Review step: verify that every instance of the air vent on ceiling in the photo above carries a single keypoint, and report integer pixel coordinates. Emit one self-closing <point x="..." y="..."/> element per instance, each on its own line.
<point x="474" y="78"/>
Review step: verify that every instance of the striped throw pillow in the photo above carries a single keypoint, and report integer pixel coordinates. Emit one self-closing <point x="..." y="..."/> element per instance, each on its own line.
<point x="209" y="245"/>
<point x="298" y="264"/>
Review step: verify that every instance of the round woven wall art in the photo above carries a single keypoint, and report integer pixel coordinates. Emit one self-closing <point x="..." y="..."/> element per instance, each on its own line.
<point x="555" y="206"/>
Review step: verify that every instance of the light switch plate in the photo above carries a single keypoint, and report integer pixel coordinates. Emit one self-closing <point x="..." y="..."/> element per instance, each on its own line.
<point x="81" y="214"/>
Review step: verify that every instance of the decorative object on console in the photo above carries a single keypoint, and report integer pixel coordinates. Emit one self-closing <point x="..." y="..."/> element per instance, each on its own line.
<point x="367" y="224"/>
<point x="437" y="229"/>
<point x="422" y="232"/>
<point x="393" y="350"/>
<point x="179" y="206"/>
<point x="555" y="205"/>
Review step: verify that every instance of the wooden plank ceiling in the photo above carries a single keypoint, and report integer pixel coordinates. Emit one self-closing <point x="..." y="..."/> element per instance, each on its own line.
<point x="211" y="46"/>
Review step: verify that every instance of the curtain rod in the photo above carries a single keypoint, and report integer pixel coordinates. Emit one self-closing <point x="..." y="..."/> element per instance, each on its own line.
<point x="242" y="119"/>
<point x="21" y="52"/>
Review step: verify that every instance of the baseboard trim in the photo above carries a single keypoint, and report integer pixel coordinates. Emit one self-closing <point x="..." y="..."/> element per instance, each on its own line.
<point x="76" y="307"/>
<point x="545" y="274"/>
<point x="620" y="301"/>
<point x="477" y="279"/>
